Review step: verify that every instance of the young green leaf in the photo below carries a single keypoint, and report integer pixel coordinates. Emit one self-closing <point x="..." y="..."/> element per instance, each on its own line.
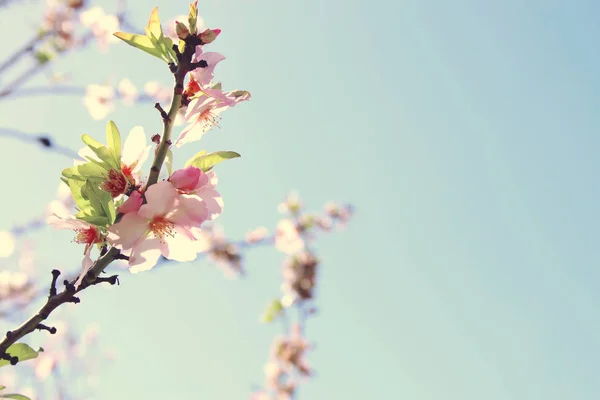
<point x="20" y="350"/>
<point x="195" y="156"/>
<point x="273" y="310"/>
<point x="193" y="18"/>
<point x="14" y="396"/>
<point x="206" y="162"/>
<point x="101" y="151"/>
<point x="113" y="139"/>
<point x="140" y="42"/>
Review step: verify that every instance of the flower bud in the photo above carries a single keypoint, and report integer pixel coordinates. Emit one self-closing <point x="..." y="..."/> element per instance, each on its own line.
<point x="209" y="35"/>
<point x="182" y="30"/>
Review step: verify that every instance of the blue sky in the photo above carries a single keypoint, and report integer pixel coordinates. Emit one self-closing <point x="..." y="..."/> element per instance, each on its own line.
<point x="464" y="133"/>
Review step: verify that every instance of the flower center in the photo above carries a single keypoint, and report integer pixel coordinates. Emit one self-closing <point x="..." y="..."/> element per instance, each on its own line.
<point x="116" y="183"/>
<point x="162" y="227"/>
<point x="88" y="236"/>
<point x="207" y="119"/>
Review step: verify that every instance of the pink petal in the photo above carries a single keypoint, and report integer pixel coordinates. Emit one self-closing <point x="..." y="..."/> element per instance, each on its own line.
<point x="128" y="231"/>
<point x="132" y="204"/>
<point x="186" y="179"/>
<point x="179" y="247"/>
<point x="67" y="223"/>
<point x="86" y="265"/>
<point x="161" y="198"/>
<point x="190" y="212"/>
<point x="145" y="255"/>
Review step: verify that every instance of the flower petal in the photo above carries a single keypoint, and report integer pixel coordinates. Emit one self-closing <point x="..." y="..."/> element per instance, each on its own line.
<point x="129" y="230"/>
<point x="161" y="198"/>
<point x="145" y="255"/>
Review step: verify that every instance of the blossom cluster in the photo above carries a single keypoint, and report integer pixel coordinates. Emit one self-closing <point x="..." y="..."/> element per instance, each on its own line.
<point x="117" y="206"/>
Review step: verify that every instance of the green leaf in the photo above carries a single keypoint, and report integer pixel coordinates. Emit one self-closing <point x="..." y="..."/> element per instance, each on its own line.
<point x="113" y="139"/>
<point x="2" y="387"/>
<point x="169" y="162"/>
<point x="101" y="151"/>
<point x="20" y="350"/>
<point x="101" y="201"/>
<point x="94" y="220"/>
<point x="154" y="23"/>
<point x="193" y="18"/>
<point x="82" y="203"/>
<point x="89" y="170"/>
<point x="273" y="310"/>
<point x="15" y="397"/>
<point x="197" y="155"/>
<point x="206" y="162"/>
<point x="140" y="42"/>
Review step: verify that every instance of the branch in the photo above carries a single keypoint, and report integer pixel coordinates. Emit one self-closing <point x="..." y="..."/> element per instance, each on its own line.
<point x="42" y="139"/>
<point x="26" y="49"/>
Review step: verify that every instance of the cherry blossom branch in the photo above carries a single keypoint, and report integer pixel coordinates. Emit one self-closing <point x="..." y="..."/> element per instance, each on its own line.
<point x="42" y="139"/>
<point x="26" y="49"/>
<point x="55" y="300"/>
<point x="92" y="277"/>
<point x="66" y="90"/>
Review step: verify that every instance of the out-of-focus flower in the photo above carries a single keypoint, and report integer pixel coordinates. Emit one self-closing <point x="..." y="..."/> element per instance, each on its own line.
<point x="291" y="204"/>
<point x="211" y="241"/>
<point x="128" y="92"/>
<point x="101" y="24"/>
<point x="157" y="91"/>
<point x="99" y="100"/>
<point x="287" y="237"/>
<point x="59" y="18"/>
<point x="299" y="277"/>
<point x="7" y="244"/>
<point x="63" y="204"/>
<point x="257" y="235"/>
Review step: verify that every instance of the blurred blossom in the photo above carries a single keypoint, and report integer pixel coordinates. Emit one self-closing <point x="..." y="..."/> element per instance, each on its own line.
<point x="287" y="237"/>
<point x="226" y="255"/>
<point x="59" y="18"/>
<point x="299" y="276"/>
<point x="256" y="235"/>
<point x="128" y="92"/>
<point x="157" y="91"/>
<point x="291" y="204"/>
<point x="101" y="24"/>
<point x="7" y="244"/>
<point x="44" y="366"/>
<point x="64" y="204"/>
<point x="99" y="100"/>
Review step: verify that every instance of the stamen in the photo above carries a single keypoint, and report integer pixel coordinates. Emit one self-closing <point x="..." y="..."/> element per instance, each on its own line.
<point x="162" y="227"/>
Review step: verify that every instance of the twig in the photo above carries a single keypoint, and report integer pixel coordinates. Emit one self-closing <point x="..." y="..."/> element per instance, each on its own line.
<point x="42" y="139"/>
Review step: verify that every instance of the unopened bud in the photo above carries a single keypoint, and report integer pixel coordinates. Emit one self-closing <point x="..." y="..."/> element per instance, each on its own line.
<point x="209" y="35"/>
<point x="182" y="30"/>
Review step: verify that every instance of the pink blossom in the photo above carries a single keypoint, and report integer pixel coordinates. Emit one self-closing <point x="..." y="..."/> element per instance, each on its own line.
<point x="203" y="113"/>
<point x="257" y="235"/>
<point x="128" y="92"/>
<point x="192" y="181"/>
<point x="99" y="100"/>
<point x="86" y="233"/>
<point x="132" y="204"/>
<point x="101" y="24"/>
<point x="287" y="237"/>
<point x="159" y="227"/>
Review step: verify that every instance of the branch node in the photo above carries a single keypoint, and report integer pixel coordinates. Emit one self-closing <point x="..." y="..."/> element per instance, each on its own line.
<point x="55" y="275"/>
<point x="70" y="288"/>
<point x="74" y="299"/>
<point x="43" y="327"/>
<point x="199" y="64"/>
<point x="45" y="141"/>
<point x="103" y="250"/>
<point x="121" y="256"/>
<point x="9" y="334"/>
<point x="163" y="113"/>
<point x="111" y="279"/>
<point x="173" y="66"/>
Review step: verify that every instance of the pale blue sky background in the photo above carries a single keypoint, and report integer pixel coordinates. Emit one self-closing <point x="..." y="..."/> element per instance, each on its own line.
<point x="464" y="132"/>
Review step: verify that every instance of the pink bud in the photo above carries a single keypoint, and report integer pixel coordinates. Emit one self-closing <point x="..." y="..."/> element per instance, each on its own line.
<point x="209" y="35"/>
<point x="186" y="179"/>
<point x="182" y="30"/>
<point x="132" y="204"/>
